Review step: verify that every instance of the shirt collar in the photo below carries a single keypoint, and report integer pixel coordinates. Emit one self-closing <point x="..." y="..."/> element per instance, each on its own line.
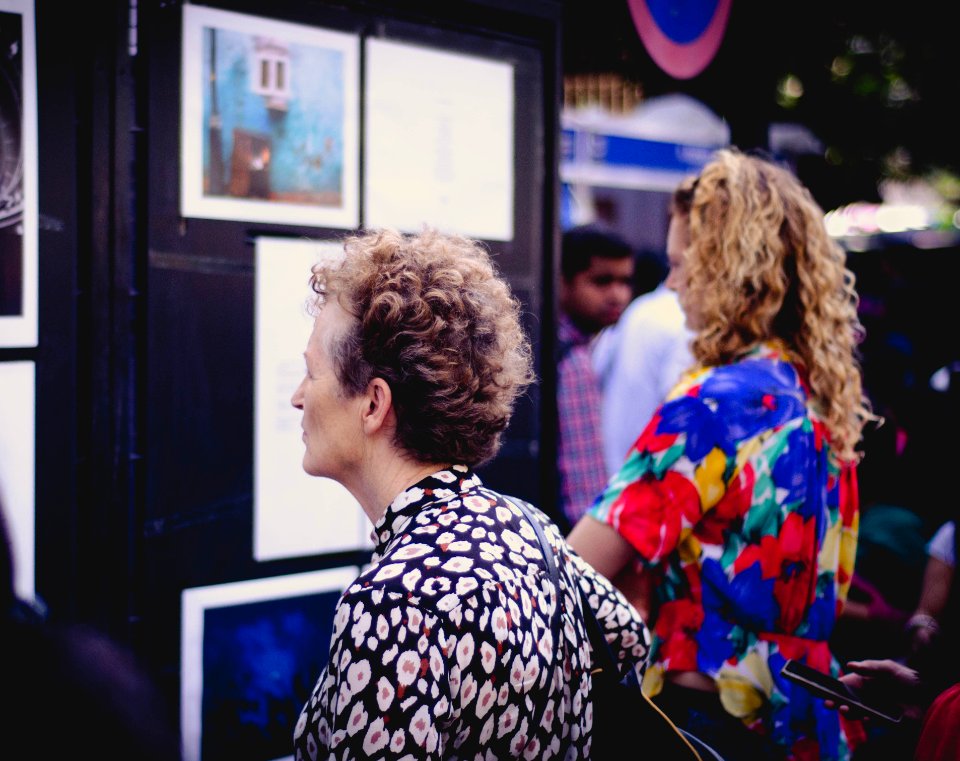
<point x="772" y="348"/>
<point x="568" y="332"/>
<point x="437" y="487"/>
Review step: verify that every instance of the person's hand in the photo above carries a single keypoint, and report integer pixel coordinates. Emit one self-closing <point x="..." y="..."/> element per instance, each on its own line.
<point x="886" y="680"/>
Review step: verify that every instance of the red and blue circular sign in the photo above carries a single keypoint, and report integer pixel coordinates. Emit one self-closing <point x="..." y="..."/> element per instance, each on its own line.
<point x="681" y="36"/>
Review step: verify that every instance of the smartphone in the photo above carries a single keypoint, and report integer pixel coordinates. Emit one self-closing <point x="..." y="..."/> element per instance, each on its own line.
<point x="825" y="686"/>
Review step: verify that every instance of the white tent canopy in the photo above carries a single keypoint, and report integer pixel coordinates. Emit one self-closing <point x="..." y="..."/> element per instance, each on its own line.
<point x="674" y="118"/>
<point x="651" y="148"/>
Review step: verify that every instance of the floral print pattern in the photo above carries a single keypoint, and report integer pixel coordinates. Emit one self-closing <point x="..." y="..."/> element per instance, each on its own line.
<point x="731" y="498"/>
<point x="444" y="647"/>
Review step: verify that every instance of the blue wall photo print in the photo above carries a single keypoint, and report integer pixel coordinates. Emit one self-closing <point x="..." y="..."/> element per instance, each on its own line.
<point x="250" y="654"/>
<point x="273" y="116"/>
<point x="260" y="661"/>
<point x="269" y="120"/>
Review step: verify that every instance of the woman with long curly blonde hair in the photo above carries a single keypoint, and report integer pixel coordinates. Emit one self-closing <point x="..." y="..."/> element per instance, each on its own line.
<point x="737" y="505"/>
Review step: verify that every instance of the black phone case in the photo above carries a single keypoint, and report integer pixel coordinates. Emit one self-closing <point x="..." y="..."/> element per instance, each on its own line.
<point x="826" y="686"/>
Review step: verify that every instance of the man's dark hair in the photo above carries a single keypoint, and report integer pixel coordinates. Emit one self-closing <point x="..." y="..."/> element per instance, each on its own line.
<point x="581" y="244"/>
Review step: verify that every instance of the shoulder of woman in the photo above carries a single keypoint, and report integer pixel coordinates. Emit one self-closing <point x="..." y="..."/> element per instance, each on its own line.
<point x="763" y="370"/>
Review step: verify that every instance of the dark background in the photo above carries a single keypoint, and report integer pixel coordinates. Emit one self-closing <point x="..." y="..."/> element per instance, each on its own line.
<point x="892" y="114"/>
<point x="144" y="368"/>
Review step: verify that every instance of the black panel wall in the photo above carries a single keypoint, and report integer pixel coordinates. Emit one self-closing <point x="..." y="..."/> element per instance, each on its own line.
<point x="145" y="364"/>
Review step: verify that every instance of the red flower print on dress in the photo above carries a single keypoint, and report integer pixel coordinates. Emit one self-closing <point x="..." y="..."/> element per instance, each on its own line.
<point x="650" y="513"/>
<point x="732" y="505"/>
<point x="651" y="441"/>
<point x="679" y="654"/>
<point x="849" y="496"/>
<point x="767" y="553"/>
<point x="679" y="615"/>
<point x="794" y="588"/>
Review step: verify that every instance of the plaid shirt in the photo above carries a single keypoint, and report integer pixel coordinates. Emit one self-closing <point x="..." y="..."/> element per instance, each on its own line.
<point x="580" y="446"/>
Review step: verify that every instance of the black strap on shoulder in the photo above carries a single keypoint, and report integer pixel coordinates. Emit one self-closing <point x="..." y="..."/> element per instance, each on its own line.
<point x="546" y="549"/>
<point x="663" y="731"/>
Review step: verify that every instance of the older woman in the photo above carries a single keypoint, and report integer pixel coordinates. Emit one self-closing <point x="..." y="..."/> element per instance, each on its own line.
<point x="444" y="647"/>
<point x="738" y="502"/>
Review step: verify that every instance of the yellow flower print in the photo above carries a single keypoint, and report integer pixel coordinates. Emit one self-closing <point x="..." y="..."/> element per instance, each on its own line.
<point x="744" y="688"/>
<point x="709" y="478"/>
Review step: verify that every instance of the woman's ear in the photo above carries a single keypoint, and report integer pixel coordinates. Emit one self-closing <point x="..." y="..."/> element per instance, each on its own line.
<point x="377" y="406"/>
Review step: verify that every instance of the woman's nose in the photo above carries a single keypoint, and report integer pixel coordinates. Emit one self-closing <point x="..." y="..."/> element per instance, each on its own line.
<point x="297" y="399"/>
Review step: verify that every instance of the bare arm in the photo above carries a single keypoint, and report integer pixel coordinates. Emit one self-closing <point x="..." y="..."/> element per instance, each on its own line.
<point x="923" y="626"/>
<point x="601" y="546"/>
<point x="937" y="579"/>
<point x="613" y="557"/>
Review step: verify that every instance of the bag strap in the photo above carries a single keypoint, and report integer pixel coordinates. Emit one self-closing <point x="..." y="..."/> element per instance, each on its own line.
<point x="603" y="660"/>
<point x="602" y="656"/>
<point x="546" y="550"/>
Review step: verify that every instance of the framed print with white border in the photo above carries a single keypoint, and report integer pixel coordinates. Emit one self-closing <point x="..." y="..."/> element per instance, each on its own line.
<point x="251" y="652"/>
<point x="269" y="121"/>
<point x="294" y="514"/>
<point x="439" y="141"/>
<point x="18" y="175"/>
<point x="18" y="467"/>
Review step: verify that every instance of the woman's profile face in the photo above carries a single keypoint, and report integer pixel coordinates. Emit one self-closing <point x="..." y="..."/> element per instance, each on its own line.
<point x="331" y="421"/>
<point x="678" y="240"/>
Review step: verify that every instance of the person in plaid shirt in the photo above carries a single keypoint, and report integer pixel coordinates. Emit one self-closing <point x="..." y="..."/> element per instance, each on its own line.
<point x="596" y="286"/>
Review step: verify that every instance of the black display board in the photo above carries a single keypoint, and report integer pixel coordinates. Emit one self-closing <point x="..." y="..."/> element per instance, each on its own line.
<point x="160" y="496"/>
<point x="145" y="362"/>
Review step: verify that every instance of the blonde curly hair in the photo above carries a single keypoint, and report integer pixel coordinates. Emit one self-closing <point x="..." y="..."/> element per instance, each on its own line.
<point x="436" y="321"/>
<point x="761" y="266"/>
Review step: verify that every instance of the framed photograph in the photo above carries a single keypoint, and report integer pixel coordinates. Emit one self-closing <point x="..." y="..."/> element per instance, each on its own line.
<point x="18" y="438"/>
<point x="269" y="121"/>
<point x="251" y="652"/>
<point x="439" y="139"/>
<point x="18" y="175"/>
<point x="294" y="514"/>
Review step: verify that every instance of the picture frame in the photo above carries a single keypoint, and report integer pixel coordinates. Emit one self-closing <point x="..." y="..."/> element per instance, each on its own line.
<point x="438" y="140"/>
<point x="18" y="175"/>
<point x="294" y="514"/>
<point x="269" y="121"/>
<point x="251" y="652"/>
<point x="18" y="437"/>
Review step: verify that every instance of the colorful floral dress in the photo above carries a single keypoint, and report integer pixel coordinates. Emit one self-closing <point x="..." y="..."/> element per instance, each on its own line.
<point x="732" y="499"/>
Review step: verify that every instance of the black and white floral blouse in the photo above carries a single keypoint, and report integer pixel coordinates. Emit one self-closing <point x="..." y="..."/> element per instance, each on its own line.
<point x="443" y="648"/>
